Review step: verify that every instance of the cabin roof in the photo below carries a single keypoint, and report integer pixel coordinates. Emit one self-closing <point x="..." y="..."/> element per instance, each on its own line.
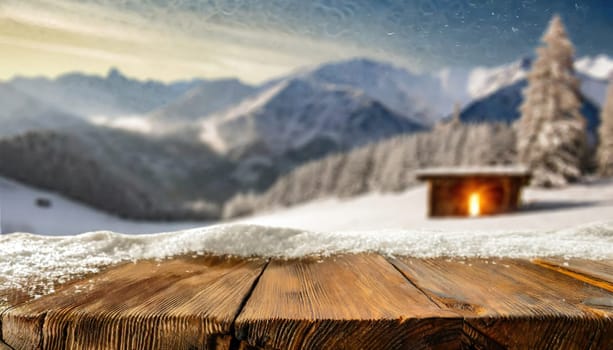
<point x="468" y="171"/>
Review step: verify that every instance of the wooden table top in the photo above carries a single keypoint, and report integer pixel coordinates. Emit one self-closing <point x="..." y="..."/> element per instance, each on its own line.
<point x="364" y="301"/>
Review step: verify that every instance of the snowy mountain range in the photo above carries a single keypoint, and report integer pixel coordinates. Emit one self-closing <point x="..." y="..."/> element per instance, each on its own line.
<point x="20" y="112"/>
<point x="204" y="99"/>
<point x="191" y="132"/>
<point x="300" y="111"/>
<point x="112" y="95"/>
<point x="148" y="106"/>
<point x="419" y="96"/>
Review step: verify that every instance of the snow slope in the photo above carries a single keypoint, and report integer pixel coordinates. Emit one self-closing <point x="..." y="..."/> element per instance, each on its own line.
<point x="19" y="213"/>
<point x="549" y="209"/>
<point x="543" y="209"/>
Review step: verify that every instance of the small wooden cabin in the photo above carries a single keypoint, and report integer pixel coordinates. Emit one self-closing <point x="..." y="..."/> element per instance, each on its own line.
<point x="474" y="191"/>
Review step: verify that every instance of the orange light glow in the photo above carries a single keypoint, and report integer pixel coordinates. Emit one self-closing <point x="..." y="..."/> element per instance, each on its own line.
<point x="474" y="204"/>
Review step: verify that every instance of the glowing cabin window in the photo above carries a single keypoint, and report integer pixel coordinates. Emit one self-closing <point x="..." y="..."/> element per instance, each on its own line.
<point x="474" y="204"/>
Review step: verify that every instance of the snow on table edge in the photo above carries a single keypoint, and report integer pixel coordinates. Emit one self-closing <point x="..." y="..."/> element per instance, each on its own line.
<point x="30" y="260"/>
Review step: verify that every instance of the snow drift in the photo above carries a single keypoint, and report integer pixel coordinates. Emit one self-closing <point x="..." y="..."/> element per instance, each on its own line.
<point x="42" y="260"/>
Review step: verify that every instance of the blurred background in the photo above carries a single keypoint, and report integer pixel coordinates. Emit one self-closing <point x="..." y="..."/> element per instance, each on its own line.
<point x="146" y="116"/>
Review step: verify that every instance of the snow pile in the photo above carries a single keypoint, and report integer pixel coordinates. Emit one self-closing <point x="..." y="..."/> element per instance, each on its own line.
<point x="41" y="260"/>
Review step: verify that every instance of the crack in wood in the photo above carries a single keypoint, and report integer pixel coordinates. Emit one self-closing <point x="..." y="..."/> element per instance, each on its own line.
<point x="5" y="346"/>
<point x="393" y="262"/>
<point x="237" y="339"/>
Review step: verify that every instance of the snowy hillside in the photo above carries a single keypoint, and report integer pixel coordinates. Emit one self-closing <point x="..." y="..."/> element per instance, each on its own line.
<point x="20" y="213"/>
<point x="128" y="174"/>
<point x="543" y="209"/>
<point x="294" y="113"/>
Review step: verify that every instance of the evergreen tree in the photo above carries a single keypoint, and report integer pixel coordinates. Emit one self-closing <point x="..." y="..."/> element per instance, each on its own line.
<point x="605" y="135"/>
<point x="383" y="166"/>
<point x="551" y="136"/>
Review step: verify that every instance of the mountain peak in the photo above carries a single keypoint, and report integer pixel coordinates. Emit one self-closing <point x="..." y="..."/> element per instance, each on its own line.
<point x="115" y="74"/>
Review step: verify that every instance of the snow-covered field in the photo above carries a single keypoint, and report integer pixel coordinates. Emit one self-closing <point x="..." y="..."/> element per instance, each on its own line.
<point x="543" y="209"/>
<point x="19" y="213"/>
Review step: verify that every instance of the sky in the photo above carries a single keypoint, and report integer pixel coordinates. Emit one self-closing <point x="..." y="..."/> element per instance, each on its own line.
<point x="256" y="40"/>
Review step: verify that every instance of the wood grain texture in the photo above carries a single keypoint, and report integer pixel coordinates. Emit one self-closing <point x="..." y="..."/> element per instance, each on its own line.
<point x="516" y="304"/>
<point x="11" y="296"/>
<point x="595" y="272"/>
<point x="344" y="302"/>
<point x="3" y="346"/>
<point x="183" y="303"/>
<point x="347" y="302"/>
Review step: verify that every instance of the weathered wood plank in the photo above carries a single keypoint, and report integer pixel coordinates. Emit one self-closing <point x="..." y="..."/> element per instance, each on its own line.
<point x="183" y="303"/>
<point x="3" y="346"/>
<point x="13" y="296"/>
<point x="10" y="297"/>
<point x="347" y="302"/>
<point x="356" y="301"/>
<point x="595" y="272"/>
<point x="516" y="304"/>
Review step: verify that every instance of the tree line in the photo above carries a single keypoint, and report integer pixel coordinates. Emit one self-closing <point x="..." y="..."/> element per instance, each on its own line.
<point x="384" y="166"/>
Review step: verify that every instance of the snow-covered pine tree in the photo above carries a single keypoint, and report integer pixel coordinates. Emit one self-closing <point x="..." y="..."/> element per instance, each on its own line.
<point x="551" y="135"/>
<point x="605" y="134"/>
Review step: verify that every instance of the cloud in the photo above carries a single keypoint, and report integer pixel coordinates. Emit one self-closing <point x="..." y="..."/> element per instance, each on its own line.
<point x="157" y="41"/>
<point x="67" y="50"/>
<point x="72" y="17"/>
